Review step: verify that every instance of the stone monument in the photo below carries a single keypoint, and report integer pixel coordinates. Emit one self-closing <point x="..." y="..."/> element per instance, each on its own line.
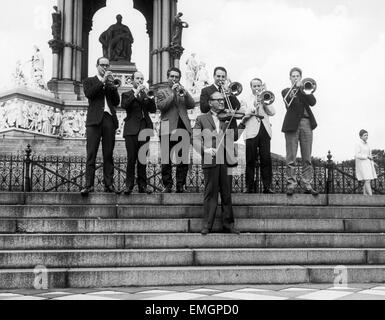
<point x="117" y="43"/>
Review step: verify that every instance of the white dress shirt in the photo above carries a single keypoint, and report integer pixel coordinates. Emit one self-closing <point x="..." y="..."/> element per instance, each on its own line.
<point x="106" y="107"/>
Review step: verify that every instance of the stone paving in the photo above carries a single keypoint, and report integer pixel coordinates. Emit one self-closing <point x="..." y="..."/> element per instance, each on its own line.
<point x="215" y="292"/>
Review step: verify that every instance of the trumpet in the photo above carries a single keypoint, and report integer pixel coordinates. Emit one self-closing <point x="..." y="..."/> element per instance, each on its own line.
<point x="111" y="81"/>
<point x="308" y="86"/>
<point x="150" y="94"/>
<point x="179" y="89"/>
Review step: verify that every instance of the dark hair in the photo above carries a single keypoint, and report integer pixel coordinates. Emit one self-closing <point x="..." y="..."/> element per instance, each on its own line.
<point x="174" y="69"/>
<point x="362" y="132"/>
<point x="220" y="68"/>
<point x="295" y="69"/>
<point x="98" y="61"/>
<point x="255" y="79"/>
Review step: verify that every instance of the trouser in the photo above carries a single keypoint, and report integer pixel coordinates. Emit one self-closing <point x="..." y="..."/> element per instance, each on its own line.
<point x="105" y="132"/>
<point x="181" y="168"/>
<point x="303" y="136"/>
<point x="133" y="146"/>
<point x="217" y="180"/>
<point x="260" y="142"/>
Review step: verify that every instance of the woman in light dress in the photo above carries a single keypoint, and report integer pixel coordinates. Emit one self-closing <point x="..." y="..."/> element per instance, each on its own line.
<point x="365" y="170"/>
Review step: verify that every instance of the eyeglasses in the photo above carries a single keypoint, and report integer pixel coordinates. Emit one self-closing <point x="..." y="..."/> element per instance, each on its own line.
<point x="219" y="100"/>
<point x="104" y="65"/>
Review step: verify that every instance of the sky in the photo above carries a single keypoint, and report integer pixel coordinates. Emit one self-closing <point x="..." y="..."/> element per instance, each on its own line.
<point x="340" y="44"/>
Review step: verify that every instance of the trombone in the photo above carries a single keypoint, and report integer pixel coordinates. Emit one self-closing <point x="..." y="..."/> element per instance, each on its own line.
<point x="308" y="86"/>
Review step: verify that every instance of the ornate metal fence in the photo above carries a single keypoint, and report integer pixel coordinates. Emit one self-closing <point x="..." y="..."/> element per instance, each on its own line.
<point x="34" y="173"/>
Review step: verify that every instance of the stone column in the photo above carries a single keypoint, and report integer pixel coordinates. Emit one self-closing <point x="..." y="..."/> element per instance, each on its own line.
<point x="166" y="32"/>
<point x="68" y="37"/>
<point x="156" y="42"/>
<point x="79" y="40"/>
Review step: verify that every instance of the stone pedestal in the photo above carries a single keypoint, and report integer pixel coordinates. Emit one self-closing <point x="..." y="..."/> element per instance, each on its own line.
<point x="65" y="89"/>
<point x="123" y="70"/>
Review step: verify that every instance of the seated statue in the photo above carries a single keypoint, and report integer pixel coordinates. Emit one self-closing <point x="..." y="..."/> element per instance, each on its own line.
<point x="117" y="41"/>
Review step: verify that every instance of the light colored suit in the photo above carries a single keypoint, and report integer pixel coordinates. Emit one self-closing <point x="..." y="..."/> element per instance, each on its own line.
<point x="253" y="124"/>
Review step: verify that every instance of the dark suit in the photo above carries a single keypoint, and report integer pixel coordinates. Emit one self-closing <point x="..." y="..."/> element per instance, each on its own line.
<point x="100" y="125"/>
<point x="137" y="119"/>
<point x="298" y="127"/>
<point x="173" y="115"/>
<point x="205" y="97"/>
<point x="215" y="170"/>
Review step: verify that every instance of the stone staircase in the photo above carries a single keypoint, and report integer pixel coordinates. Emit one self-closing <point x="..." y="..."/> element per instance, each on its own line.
<point x="112" y="241"/>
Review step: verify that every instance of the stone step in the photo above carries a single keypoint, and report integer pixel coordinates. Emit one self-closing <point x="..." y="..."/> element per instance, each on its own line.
<point x="185" y="212"/>
<point x="188" y="257"/>
<point x="186" y="276"/>
<point x="186" y="225"/>
<point x="192" y="199"/>
<point x="190" y="240"/>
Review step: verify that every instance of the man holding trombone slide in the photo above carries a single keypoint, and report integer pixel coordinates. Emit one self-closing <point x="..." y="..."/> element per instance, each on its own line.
<point x="298" y="127"/>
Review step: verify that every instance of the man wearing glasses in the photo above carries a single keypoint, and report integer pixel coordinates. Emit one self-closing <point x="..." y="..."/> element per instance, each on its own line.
<point x="211" y="139"/>
<point x="101" y="124"/>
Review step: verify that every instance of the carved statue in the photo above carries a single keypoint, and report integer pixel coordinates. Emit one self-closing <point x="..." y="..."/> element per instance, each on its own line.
<point x="178" y="28"/>
<point x="56" y="24"/>
<point x="18" y="76"/>
<point x="117" y="41"/>
<point x="37" y="70"/>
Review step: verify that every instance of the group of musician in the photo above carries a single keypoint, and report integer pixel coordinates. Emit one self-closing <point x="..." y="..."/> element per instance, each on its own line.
<point x="220" y="110"/>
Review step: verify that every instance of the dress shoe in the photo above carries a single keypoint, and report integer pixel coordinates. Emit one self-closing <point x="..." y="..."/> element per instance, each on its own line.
<point x="268" y="191"/>
<point x="86" y="191"/>
<point x="167" y="189"/>
<point x="179" y="188"/>
<point x="144" y="190"/>
<point x="230" y="230"/>
<point x="205" y="231"/>
<point x="290" y="192"/>
<point x="127" y="191"/>
<point x="111" y="189"/>
<point x="312" y="191"/>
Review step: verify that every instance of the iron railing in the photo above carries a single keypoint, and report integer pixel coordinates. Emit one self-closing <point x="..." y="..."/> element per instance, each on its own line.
<point x="35" y="173"/>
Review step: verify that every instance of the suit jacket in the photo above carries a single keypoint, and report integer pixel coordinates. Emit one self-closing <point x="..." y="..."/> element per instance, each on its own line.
<point x="253" y="124"/>
<point x="97" y="93"/>
<point x="295" y="112"/>
<point x="172" y="107"/>
<point x="136" y="109"/>
<point x="206" y="122"/>
<point x="205" y="97"/>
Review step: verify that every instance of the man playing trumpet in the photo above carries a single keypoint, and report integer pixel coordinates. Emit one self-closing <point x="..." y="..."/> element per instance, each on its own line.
<point x="101" y="124"/>
<point x="298" y="127"/>
<point x="173" y="101"/>
<point x="258" y="135"/>
<point x="138" y="103"/>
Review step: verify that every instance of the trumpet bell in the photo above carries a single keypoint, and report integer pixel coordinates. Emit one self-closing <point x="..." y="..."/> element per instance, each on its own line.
<point x="235" y="88"/>
<point x="117" y="83"/>
<point x="267" y="97"/>
<point x="309" y="86"/>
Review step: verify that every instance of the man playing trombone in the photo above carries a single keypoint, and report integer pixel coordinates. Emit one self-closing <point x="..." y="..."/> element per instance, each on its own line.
<point x="173" y="101"/>
<point x="258" y="108"/>
<point x="220" y="79"/>
<point x="138" y="103"/>
<point x="298" y="127"/>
